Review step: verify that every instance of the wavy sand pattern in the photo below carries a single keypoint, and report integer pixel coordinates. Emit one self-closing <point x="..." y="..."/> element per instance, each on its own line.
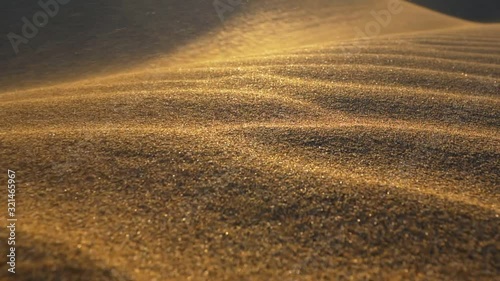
<point x="272" y="148"/>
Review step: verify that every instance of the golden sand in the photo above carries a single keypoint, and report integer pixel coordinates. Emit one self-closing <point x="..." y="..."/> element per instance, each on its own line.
<point x="272" y="148"/>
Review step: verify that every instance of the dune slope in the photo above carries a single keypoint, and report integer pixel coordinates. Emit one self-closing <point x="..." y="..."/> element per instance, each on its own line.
<point x="316" y="161"/>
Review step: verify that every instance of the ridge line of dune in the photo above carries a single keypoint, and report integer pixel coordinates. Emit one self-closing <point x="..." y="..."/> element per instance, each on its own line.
<point x="344" y="65"/>
<point x="366" y="54"/>
<point x="467" y="132"/>
<point x="390" y="91"/>
<point x="437" y="93"/>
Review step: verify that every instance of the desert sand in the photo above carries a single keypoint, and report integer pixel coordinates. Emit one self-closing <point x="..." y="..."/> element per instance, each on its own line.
<point x="275" y="146"/>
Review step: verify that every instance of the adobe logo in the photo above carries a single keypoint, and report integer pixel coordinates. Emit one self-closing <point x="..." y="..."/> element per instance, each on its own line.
<point x="30" y="29"/>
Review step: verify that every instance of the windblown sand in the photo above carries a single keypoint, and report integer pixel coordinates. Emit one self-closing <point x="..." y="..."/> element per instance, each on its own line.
<point x="242" y="156"/>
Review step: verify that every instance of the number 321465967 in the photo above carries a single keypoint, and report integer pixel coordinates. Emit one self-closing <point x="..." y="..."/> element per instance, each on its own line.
<point x="11" y="188"/>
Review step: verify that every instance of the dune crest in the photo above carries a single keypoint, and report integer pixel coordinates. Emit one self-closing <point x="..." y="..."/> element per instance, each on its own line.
<point x="276" y="26"/>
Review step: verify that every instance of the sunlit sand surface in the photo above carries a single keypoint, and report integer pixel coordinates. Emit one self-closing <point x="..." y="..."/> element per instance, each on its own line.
<point x="271" y="148"/>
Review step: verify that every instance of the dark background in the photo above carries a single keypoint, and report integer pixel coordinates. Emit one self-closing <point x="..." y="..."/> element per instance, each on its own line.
<point x="89" y="37"/>
<point x="475" y="10"/>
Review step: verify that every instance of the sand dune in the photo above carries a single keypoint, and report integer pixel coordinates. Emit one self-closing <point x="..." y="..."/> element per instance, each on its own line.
<point x="273" y="147"/>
